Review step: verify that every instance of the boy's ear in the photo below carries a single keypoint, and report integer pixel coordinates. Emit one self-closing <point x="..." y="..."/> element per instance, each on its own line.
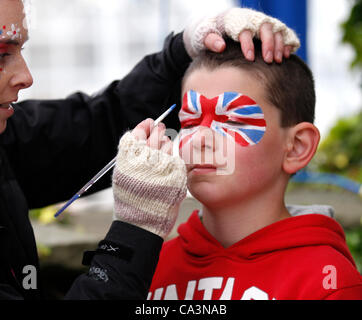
<point x="302" y="143"/>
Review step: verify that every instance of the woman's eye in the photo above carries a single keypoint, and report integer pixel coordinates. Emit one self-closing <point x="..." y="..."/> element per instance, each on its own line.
<point x="3" y="55"/>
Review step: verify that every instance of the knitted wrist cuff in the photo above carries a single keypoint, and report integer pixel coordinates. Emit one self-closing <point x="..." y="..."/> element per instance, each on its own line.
<point x="147" y="184"/>
<point x="195" y="34"/>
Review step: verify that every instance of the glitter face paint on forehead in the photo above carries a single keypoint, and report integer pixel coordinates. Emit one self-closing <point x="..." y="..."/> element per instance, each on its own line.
<point x="14" y="32"/>
<point x="230" y="114"/>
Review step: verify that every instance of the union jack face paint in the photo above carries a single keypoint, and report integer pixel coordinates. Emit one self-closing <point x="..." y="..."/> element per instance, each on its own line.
<point x="231" y="114"/>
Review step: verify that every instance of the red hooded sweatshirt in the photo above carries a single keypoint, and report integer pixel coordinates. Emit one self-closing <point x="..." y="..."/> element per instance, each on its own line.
<point x="302" y="257"/>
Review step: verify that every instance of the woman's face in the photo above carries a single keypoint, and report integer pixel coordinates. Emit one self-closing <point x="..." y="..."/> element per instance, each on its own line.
<point x="14" y="73"/>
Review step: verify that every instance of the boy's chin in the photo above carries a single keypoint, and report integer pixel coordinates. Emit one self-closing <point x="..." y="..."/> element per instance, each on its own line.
<point x="207" y="192"/>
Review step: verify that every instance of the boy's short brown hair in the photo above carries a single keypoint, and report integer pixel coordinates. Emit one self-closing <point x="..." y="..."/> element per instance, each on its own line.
<point x="289" y="86"/>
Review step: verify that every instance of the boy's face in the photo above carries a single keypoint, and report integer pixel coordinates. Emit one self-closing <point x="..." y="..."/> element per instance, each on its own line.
<point x="221" y="173"/>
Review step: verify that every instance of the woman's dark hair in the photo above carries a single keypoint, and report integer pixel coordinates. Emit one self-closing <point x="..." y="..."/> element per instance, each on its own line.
<point x="289" y="86"/>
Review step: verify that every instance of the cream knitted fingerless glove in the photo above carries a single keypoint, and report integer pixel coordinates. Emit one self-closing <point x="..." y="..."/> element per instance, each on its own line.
<point x="232" y="23"/>
<point x="148" y="186"/>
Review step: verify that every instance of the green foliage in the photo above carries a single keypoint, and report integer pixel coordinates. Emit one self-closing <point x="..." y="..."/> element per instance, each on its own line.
<point x="46" y="215"/>
<point x="341" y="151"/>
<point x="354" y="242"/>
<point x="352" y="29"/>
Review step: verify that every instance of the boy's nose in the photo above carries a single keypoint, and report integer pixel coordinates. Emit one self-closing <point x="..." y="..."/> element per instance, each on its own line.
<point x="21" y="77"/>
<point x="204" y="139"/>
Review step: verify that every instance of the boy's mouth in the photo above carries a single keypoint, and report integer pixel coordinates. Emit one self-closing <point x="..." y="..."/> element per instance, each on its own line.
<point x="202" y="168"/>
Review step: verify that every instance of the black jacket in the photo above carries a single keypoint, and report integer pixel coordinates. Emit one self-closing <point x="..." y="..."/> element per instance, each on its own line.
<point x="53" y="147"/>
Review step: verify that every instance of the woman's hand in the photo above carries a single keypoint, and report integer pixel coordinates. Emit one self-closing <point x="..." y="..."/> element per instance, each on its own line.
<point x="242" y="25"/>
<point x="273" y="47"/>
<point x="149" y="183"/>
<point x="153" y="136"/>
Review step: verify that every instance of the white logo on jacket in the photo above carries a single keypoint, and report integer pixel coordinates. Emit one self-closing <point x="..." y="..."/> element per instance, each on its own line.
<point x="208" y="285"/>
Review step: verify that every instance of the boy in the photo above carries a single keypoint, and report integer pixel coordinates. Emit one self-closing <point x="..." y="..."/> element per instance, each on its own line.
<point x="244" y="244"/>
<point x="74" y="138"/>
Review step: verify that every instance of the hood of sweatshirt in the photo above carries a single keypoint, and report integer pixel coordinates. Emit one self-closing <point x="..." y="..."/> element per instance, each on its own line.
<point x="297" y="231"/>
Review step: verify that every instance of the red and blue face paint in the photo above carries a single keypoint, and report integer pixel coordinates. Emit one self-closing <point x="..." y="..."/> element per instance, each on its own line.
<point x="230" y="114"/>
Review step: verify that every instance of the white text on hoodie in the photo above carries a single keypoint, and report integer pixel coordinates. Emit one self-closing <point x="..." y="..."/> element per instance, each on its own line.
<point x="208" y="285"/>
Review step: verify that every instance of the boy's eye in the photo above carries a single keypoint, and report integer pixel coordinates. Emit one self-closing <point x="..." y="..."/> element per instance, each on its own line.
<point x="190" y="123"/>
<point x="188" y="126"/>
<point x="235" y="123"/>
